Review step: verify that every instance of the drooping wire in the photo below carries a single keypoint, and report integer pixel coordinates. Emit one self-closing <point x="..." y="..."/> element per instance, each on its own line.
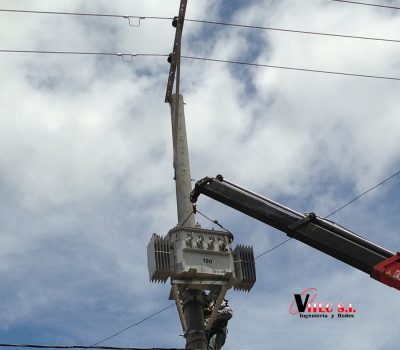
<point x="294" y="31"/>
<point x="260" y="65"/>
<point x="119" y="54"/>
<point x="129" y="327"/>
<point x="37" y="346"/>
<point x="368" y="4"/>
<point x="362" y="194"/>
<point x="216" y="223"/>
<point x="87" y="14"/>
<point x="184" y="222"/>
<point x="273" y="248"/>
<point x="126" y="56"/>
<point x="80" y="14"/>
<point x="219" y="23"/>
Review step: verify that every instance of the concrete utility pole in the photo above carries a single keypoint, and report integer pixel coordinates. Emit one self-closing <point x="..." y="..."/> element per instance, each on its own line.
<point x="193" y="298"/>
<point x="201" y="263"/>
<point x="181" y="163"/>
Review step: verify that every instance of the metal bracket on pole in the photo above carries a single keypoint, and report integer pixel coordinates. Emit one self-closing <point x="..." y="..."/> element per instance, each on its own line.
<point x="175" y="295"/>
<point x="176" y="49"/>
<point x="216" y="307"/>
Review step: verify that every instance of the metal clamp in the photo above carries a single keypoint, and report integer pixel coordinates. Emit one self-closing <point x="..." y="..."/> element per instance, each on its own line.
<point x="310" y="217"/>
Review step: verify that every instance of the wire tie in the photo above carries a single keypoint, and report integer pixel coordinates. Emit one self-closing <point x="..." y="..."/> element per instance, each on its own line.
<point x="134" y="21"/>
<point x="127" y="57"/>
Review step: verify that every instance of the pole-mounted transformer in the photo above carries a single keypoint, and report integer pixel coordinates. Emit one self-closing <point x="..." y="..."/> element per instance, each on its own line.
<point x="200" y="258"/>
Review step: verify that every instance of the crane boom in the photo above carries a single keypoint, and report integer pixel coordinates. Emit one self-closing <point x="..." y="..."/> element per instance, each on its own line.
<point x="319" y="233"/>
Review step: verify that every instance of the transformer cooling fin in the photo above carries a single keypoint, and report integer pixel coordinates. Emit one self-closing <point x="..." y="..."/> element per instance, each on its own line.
<point x="245" y="268"/>
<point x="158" y="257"/>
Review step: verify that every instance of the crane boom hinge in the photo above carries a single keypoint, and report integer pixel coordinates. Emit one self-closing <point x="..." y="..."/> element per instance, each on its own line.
<point x="194" y="195"/>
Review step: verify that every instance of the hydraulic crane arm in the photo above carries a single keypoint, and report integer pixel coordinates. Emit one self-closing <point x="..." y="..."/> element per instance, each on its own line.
<point x="324" y="235"/>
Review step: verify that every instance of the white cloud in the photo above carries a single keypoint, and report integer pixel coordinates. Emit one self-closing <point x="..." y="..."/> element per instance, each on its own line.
<point x="86" y="163"/>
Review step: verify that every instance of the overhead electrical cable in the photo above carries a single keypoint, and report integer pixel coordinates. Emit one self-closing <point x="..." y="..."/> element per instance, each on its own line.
<point x="271" y="249"/>
<point x="290" y="68"/>
<point x="87" y="14"/>
<point x="129" y="327"/>
<point x="295" y="31"/>
<point x="85" y="53"/>
<point x="237" y="25"/>
<point x="129" y="56"/>
<point x="37" y="346"/>
<point x="368" y="4"/>
<point x="363" y="194"/>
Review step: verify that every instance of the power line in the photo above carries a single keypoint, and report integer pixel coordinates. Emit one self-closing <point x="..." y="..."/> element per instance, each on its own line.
<point x="237" y="25"/>
<point x="129" y="327"/>
<point x="69" y="13"/>
<point x="273" y="248"/>
<point x="363" y="194"/>
<point x="295" y="31"/>
<point x="60" y="52"/>
<point x="119" y="54"/>
<point x="290" y="68"/>
<point x="368" y="4"/>
<point x="36" y="346"/>
<point x="128" y="57"/>
<point x="87" y="14"/>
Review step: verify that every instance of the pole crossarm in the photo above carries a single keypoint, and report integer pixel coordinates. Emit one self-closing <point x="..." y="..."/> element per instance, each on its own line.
<point x="173" y="58"/>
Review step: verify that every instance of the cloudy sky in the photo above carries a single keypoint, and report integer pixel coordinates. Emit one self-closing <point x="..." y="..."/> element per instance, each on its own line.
<point x="86" y="164"/>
